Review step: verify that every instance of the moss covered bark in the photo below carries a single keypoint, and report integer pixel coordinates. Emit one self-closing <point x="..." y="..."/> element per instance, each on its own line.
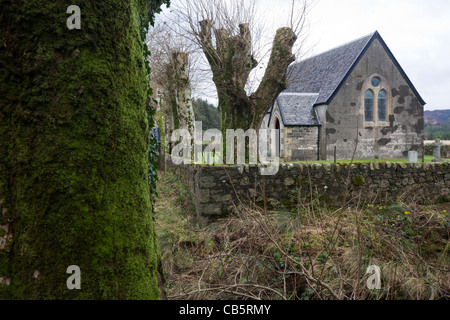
<point x="74" y="139"/>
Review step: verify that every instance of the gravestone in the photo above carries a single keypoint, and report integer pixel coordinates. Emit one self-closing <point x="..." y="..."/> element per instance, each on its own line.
<point x="413" y="156"/>
<point x="437" y="151"/>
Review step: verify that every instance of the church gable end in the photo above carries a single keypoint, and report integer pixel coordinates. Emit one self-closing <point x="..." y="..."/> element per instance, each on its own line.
<point x="377" y="103"/>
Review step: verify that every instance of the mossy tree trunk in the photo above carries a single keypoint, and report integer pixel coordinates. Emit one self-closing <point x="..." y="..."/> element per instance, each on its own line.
<point x="231" y="62"/>
<point x="74" y="188"/>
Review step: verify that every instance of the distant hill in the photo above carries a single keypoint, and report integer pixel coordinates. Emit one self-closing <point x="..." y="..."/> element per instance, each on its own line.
<point x="437" y="125"/>
<point x="437" y="116"/>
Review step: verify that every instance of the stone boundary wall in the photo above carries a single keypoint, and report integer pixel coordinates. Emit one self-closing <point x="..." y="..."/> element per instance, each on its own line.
<point x="215" y="190"/>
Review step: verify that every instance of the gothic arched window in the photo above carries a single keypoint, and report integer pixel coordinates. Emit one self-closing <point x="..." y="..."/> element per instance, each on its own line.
<point x="382" y="106"/>
<point x="368" y="106"/>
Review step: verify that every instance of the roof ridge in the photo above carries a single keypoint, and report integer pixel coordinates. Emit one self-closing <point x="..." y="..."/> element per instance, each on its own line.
<point x="299" y="94"/>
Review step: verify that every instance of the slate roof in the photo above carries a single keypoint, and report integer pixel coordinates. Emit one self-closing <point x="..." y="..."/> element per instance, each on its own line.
<point x="298" y="108"/>
<point x="323" y="75"/>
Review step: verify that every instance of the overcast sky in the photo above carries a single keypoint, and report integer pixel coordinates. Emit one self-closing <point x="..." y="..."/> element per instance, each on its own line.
<point x="416" y="31"/>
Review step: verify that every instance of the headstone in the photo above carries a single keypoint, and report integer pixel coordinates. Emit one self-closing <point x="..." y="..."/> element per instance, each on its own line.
<point x="413" y="156"/>
<point x="437" y="151"/>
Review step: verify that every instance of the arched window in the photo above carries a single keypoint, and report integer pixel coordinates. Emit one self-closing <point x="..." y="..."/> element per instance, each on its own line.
<point x="382" y="106"/>
<point x="368" y="106"/>
<point x="375" y="101"/>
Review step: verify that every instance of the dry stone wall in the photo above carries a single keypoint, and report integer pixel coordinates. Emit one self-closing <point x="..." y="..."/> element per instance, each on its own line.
<point x="216" y="190"/>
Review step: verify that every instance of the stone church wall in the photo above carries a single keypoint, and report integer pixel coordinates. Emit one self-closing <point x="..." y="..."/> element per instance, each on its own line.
<point x="301" y="143"/>
<point x="344" y="121"/>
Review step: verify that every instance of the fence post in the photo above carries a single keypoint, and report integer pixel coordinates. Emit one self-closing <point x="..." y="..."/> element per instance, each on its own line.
<point x="335" y="152"/>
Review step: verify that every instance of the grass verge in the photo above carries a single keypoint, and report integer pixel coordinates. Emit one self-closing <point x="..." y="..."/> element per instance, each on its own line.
<point x="303" y="252"/>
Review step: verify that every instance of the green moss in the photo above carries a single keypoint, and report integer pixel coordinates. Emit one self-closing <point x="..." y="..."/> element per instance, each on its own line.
<point x="357" y="181"/>
<point x="74" y="166"/>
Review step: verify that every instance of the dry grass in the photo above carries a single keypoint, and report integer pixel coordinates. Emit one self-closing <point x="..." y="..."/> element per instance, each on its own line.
<point x="303" y="252"/>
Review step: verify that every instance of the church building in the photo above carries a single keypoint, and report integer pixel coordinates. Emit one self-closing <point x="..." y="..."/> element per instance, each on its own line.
<point x="354" y="99"/>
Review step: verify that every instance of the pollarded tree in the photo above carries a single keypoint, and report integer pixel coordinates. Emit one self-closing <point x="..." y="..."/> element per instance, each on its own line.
<point x="177" y="93"/>
<point x="220" y="29"/>
<point x="231" y="62"/>
<point x="170" y="78"/>
<point x="74" y="187"/>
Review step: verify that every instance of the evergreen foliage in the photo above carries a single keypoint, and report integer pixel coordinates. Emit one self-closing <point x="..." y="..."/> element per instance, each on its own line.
<point x="207" y="113"/>
<point x="437" y="131"/>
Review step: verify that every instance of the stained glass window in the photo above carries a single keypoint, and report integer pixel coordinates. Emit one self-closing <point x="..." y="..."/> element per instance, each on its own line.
<point x="382" y="106"/>
<point x="368" y="105"/>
